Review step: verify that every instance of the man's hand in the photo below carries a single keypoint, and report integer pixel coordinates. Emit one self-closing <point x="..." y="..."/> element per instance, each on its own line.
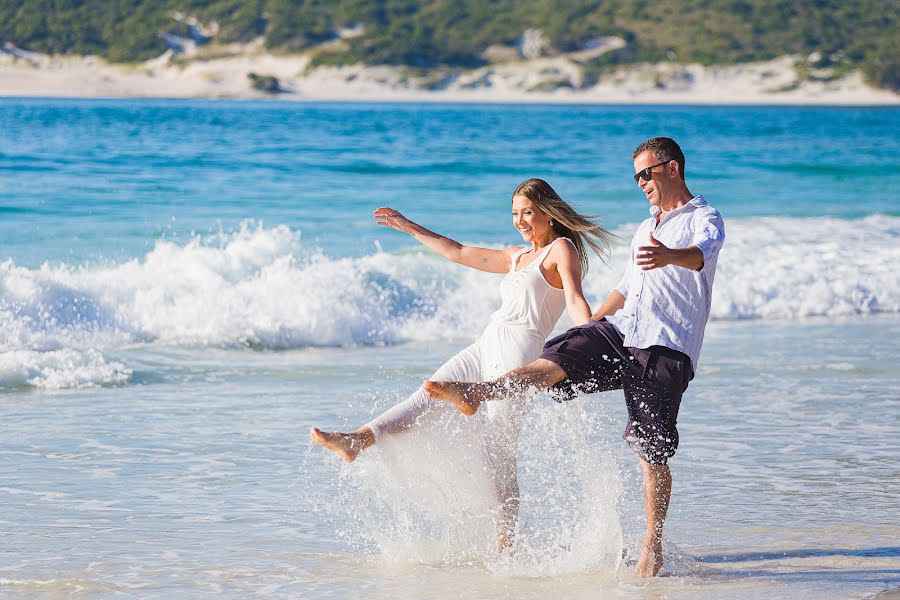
<point x="654" y="256"/>
<point x="658" y="255"/>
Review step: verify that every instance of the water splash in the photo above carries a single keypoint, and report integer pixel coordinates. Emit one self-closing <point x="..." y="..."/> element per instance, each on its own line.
<point x="426" y="496"/>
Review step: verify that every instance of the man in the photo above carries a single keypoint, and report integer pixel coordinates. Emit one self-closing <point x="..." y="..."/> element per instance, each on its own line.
<point x="646" y="337"/>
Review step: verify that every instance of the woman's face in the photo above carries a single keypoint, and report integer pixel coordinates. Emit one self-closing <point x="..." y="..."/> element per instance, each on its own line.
<point x="531" y="222"/>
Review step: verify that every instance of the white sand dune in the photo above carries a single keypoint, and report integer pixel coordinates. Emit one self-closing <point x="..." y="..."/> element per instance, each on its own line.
<point x="558" y="79"/>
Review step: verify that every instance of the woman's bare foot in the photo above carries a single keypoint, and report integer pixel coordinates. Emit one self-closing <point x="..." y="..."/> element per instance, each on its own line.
<point x="651" y="559"/>
<point x="346" y="445"/>
<point x="456" y="393"/>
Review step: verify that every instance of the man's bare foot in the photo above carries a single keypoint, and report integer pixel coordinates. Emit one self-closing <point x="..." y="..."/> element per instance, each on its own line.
<point x="504" y="541"/>
<point x="651" y="559"/>
<point x="346" y="445"/>
<point x="456" y="393"/>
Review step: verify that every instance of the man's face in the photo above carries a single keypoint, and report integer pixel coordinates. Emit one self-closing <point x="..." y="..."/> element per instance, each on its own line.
<point x="659" y="184"/>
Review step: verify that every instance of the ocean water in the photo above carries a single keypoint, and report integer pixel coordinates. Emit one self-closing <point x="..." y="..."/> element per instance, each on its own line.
<point x="186" y="287"/>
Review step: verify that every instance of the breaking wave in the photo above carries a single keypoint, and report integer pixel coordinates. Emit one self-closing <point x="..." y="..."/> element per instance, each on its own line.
<point x="260" y="288"/>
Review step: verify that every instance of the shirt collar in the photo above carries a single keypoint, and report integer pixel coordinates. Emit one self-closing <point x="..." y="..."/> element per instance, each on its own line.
<point x="696" y="202"/>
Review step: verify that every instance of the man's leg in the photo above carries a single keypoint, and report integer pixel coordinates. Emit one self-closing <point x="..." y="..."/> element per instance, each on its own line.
<point x="588" y="356"/>
<point x="653" y="394"/>
<point x="657" y="491"/>
<point x="467" y="397"/>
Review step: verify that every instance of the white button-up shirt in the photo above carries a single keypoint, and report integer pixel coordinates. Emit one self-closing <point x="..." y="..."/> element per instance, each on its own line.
<point x="670" y="306"/>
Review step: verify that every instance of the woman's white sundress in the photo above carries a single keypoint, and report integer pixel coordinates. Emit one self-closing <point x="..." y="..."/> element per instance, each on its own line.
<point x="514" y="337"/>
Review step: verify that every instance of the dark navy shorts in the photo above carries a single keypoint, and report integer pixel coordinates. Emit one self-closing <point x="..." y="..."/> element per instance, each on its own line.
<point x="653" y="379"/>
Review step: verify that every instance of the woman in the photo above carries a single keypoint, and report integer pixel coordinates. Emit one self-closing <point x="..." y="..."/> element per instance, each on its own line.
<point x="541" y="279"/>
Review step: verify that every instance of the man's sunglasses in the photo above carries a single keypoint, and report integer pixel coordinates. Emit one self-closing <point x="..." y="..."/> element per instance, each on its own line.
<point x="645" y="174"/>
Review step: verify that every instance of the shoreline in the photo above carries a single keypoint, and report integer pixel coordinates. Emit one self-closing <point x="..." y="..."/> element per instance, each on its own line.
<point x="558" y="80"/>
<point x="457" y="102"/>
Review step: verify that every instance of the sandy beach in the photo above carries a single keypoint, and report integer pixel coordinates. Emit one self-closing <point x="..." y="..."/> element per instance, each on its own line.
<point x="555" y="79"/>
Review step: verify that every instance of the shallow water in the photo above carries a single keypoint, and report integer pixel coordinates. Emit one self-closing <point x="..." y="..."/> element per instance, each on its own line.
<point x="204" y="481"/>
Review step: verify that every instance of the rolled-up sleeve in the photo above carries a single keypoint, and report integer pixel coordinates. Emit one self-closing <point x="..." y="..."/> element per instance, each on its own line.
<point x="709" y="235"/>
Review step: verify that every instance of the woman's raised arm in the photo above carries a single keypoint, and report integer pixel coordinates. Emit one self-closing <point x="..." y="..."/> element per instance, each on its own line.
<point x="483" y="259"/>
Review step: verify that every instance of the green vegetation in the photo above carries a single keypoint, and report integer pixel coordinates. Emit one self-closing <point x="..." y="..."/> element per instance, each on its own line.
<point x="429" y="33"/>
<point x="882" y="64"/>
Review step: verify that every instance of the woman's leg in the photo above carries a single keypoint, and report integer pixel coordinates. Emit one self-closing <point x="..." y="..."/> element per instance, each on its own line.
<point x="502" y="353"/>
<point x="506" y="418"/>
<point x="464" y="365"/>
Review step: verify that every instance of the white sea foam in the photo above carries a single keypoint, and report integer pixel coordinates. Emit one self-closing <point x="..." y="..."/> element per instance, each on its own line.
<point x="58" y="369"/>
<point x="259" y="287"/>
<point x="789" y="268"/>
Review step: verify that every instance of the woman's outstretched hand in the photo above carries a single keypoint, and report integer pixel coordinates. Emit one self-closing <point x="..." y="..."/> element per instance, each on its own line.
<point x="393" y="219"/>
<point x="483" y="259"/>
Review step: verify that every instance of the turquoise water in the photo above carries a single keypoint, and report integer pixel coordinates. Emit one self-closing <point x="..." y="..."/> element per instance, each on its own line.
<point x="187" y="286"/>
<point x="99" y="179"/>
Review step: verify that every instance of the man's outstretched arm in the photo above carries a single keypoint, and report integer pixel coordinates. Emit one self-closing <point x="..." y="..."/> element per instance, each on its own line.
<point x="657" y="255"/>
<point x="613" y="302"/>
<point x="467" y="397"/>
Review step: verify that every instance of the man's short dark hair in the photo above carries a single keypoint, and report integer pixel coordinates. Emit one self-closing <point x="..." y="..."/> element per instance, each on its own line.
<point x="663" y="148"/>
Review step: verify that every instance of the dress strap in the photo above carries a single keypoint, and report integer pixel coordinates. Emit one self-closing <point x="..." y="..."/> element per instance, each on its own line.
<point x="515" y="258"/>
<point x="540" y="259"/>
<point x="545" y="252"/>
<point x="547" y="248"/>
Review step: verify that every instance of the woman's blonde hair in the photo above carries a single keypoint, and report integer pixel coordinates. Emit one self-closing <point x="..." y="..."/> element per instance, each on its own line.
<point x="567" y="222"/>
